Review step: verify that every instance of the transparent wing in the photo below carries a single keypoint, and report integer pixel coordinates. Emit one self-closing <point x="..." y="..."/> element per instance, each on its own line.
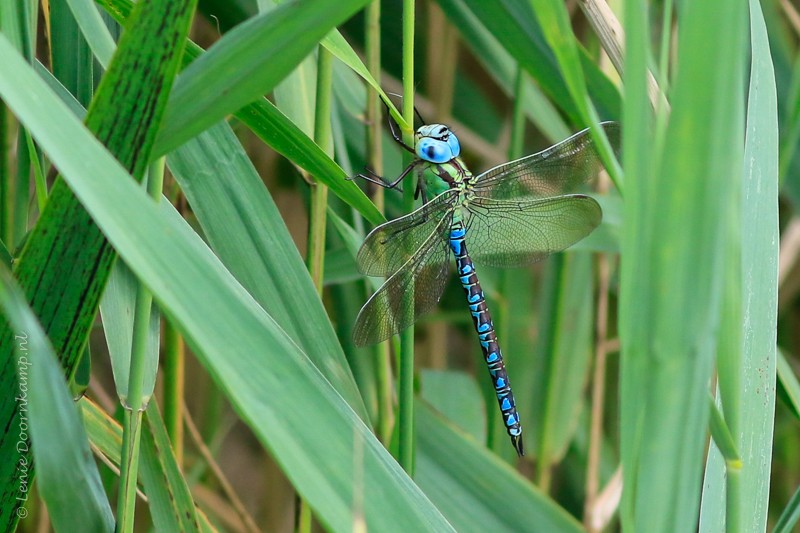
<point x="510" y="234"/>
<point x="559" y="169"/>
<point x="389" y="246"/>
<point x="412" y="290"/>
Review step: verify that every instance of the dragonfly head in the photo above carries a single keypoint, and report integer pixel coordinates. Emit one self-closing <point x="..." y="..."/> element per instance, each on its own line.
<point x="436" y="143"/>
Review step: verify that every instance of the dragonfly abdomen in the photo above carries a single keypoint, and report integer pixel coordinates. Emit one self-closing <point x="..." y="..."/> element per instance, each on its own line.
<point x="482" y="320"/>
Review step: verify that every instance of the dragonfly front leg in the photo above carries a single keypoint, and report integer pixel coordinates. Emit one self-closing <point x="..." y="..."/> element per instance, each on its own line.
<point x="378" y="180"/>
<point x="421" y="191"/>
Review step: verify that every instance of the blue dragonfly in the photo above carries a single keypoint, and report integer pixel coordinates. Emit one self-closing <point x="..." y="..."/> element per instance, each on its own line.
<point x="512" y="215"/>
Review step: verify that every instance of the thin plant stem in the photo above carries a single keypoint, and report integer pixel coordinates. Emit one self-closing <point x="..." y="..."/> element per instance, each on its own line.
<point x="406" y="373"/>
<point x="318" y="211"/>
<point x="132" y="427"/>
<point x="372" y="47"/>
<point x="383" y="370"/>
<point x="518" y="118"/>
<point x="135" y="406"/>
<point x="319" y="192"/>
<point x="598" y="394"/>
<point x="129" y="467"/>
<point x="174" y="380"/>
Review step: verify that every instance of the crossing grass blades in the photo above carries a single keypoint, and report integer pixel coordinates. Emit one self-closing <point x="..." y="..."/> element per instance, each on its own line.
<point x="510" y="216"/>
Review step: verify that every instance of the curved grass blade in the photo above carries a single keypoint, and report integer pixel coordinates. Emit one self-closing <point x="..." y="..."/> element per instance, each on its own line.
<point x="275" y="129"/>
<point x="676" y="234"/>
<point x="171" y="503"/>
<point x="246" y="63"/>
<point x="246" y="231"/>
<point x="475" y="490"/>
<point x="515" y="26"/>
<point x="66" y="259"/>
<point x="280" y="133"/>
<point x="749" y="333"/>
<point x="68" y="479"/>
<point x="292" y="409"/>
<point x="337" y="45"/>
<point x="106" y="437"/>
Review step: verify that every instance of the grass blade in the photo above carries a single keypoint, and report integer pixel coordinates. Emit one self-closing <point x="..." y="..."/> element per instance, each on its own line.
<point x="246" y="63"/>
<point x="66" y="260"/>
<point x="270" y="381"/>
<point x="69" y="481"/>
<point x="674" y="242"/>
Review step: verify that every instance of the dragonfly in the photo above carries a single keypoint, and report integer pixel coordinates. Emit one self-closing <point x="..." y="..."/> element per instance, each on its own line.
<point x="512" y="215"/>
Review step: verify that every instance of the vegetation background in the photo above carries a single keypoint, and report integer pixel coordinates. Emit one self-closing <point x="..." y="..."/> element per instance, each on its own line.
<point x="644" y="359"/>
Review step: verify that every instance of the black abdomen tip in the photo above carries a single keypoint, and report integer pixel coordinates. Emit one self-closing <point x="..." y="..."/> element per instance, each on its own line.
<point x="517" y="442"/>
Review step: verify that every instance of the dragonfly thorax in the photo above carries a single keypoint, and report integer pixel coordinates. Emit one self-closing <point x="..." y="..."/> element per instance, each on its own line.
<point x="435" y="143"/>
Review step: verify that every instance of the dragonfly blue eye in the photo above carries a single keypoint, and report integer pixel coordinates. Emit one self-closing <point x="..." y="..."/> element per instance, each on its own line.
<point x="455" y="146"/>
<point x="434" y="150"/>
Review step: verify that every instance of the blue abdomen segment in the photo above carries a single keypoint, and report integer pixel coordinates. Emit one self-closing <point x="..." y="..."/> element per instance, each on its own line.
<point x="486" y="334"/>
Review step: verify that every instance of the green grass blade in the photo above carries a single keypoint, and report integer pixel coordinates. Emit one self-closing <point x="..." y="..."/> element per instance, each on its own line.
<point x="337" y="45"/>
<point x="723" y="439"/>
<point x="117" y="309"/>
<point x="290" y="406"/>
<point x="515" y="26"/>
<point x="751" y="311"/>
<point x="283" y="136"/>
<point x="789" y="516"/>
<point x="94" y="30"/>
<point x="275" y="129"/>
<point x="557" y="29"/>
<point x="674" y="242"/>
<point x="71" y="56"/>
<point x="246" y="63"/>
<point x="170" y="500"/>
<point x="476" y="490"/>
<point x="66" y="259"/>
<point x="245" y="229"/>
<point x="106" y="436"/>
<point x="747" y="381"/>
<point x="564" y="351"/>
<point x="68" y="480"/>
<point x="789" y="385"/>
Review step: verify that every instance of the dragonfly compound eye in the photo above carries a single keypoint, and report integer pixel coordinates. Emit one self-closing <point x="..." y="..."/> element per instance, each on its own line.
<point x="434" y="150"/>
<point x="455" y="146"/>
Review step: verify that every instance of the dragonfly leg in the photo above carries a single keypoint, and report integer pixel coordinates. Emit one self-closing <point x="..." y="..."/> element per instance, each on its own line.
<point x="421" y="191"/>
<point x="378" y="180"/>
<point x="394" y="127"/>
<point x="372" y="177"/>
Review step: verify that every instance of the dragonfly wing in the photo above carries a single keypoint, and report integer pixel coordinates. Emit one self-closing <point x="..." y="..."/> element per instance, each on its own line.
<point x="414" y="288"/>
<point x="390" y="245"/>
<point x="510" y="234"/>
<point x="559" y="169"/>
